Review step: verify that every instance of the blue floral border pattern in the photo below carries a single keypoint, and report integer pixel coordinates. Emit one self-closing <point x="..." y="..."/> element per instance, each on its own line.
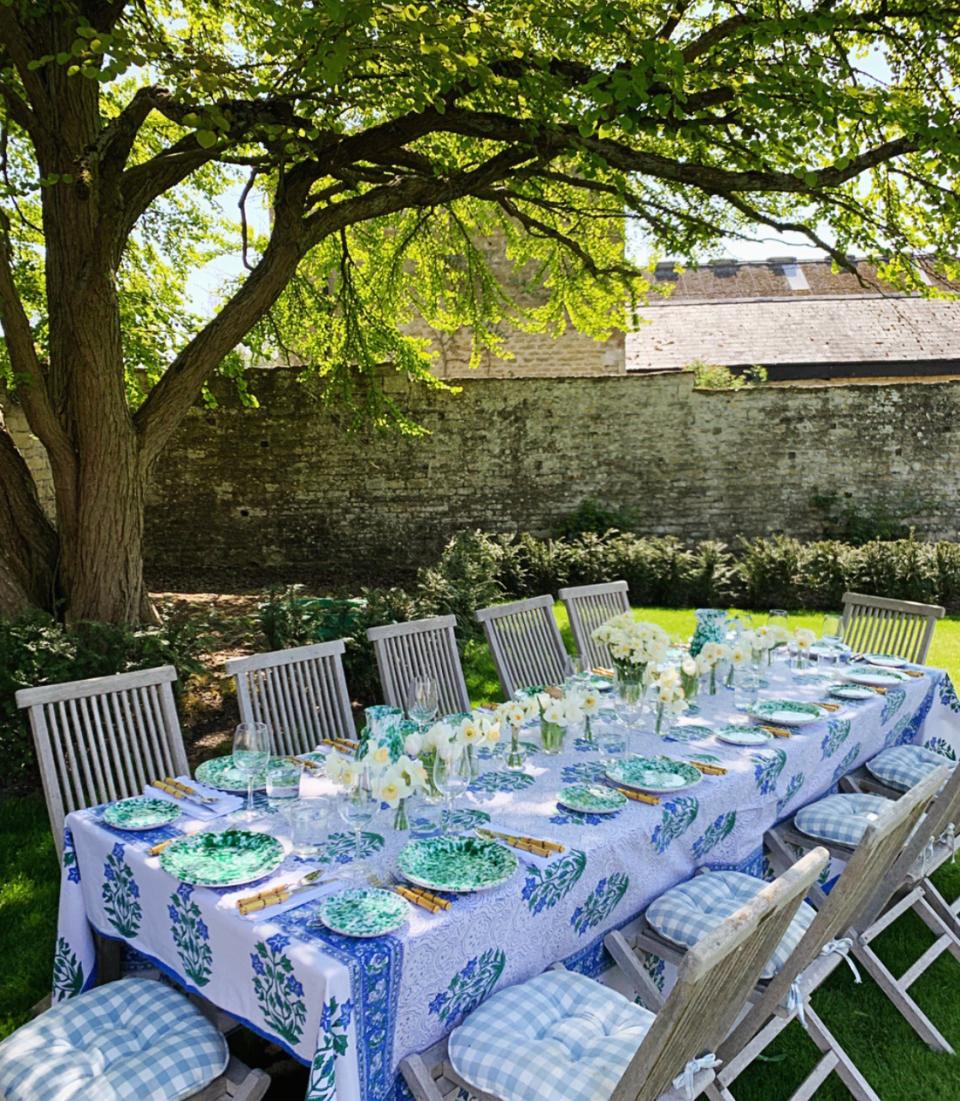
<point x="543" y="888"/>
<point x="679" y="814"/>
<point x="279" y="992"/>
<point x="67" y="972"/>
<point x="190" y="935"/>
<point x="70" y="857"/>
<point x="600" y="903"/>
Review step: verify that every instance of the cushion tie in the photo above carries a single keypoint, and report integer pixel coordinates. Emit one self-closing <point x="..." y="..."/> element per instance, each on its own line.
<point x="842" y="946"/>
<point x="795" y="1002"/>
<point x="684" y="1081"/>
<point x="949" y="836"/>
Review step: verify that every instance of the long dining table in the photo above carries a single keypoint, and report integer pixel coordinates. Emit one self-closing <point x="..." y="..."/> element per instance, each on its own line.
<point x="351" y="1008"/>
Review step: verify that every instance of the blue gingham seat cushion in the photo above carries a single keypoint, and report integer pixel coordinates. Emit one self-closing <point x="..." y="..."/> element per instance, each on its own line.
<point x="559" y="1035"/>
<point x="902" y="766"/>
<point x="842" y="818"/>
<point x="131" y="1040"/>
<point x="687" y="912"/>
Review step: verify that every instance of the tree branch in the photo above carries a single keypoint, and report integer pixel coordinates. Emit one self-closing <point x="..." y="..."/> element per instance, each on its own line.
<point x="30" y="381"/>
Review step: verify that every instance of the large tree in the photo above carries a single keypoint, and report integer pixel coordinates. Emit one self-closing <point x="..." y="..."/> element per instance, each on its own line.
<point x="389" y="140"/>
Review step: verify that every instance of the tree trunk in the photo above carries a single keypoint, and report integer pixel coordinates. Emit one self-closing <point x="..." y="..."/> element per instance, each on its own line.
<point x="28" y="542"/>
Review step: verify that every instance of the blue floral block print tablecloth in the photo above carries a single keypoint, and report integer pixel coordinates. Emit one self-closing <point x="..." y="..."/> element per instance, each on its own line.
<point x="351" y="1009"/>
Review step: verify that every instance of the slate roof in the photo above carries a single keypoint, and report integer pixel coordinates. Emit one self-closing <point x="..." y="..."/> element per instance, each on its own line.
<point x="801" y="316"/>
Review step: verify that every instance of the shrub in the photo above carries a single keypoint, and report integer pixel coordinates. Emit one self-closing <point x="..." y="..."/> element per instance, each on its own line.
<point x="37" y="650"/>
<point x="769" y="570"/>
<point x="905" y="568"/>
<point x="594" y="516"/>
<point x="466" y="577"/>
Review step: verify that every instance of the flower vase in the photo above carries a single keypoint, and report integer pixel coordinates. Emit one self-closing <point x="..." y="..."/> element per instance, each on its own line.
<point x="473" y="762"/>
<point x="712" y="681"/>
<point x="803" y="659"/>
<point x="664" y="720"/>
<point x="551" y="735"/>
<point x="690" y="683"/>
<point x="711" y="627"/>
<point x="730" y="680"/>
<point x="516" y="754"/>
<point x="400" y="819"/>
<point x="587" y="730"/>
<point x="631" y="682"/>
<point x="428" y="760"/>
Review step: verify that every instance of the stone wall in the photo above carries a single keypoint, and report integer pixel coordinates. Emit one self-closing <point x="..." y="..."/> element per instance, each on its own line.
<point x="282" y="493"/>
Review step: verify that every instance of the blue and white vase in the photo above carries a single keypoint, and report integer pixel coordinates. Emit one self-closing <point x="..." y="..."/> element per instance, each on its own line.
<point x="711" y="627"/>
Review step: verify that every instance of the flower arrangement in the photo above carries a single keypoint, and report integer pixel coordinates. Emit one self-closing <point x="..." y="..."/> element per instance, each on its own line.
<point x="634" y="645"/>
<point x="558" y="710"/>
<point x="803" y="639"/>
<point x="740" y="656"/>
<point x="670" y="695"/>
<point x="514" y="713"/>
<point x="690" y="673"/>
<point x="710" y="658"/>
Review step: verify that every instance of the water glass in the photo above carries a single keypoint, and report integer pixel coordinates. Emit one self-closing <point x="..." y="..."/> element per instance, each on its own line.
<point x="251" y="752"/>
<point x="746" y="690"/>
<point x="612" y="744"/>
<point x="357" y="808"/>
<point x="451" y="777"/>
<point x="423" y="700"/>
<point x="778" y="616"/>
<point x="283" y="781"/>
<point x="308" y="820"/>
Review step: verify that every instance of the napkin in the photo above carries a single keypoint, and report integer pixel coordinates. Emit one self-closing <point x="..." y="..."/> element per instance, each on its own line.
<point x="281" y="879"/>
<point x="225" y="804"/>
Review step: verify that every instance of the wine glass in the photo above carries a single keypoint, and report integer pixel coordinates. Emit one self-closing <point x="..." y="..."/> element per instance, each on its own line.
<point x="423" y="700"/>
<point x="778" y="616"/>
<point x="451" y="777"/>
<point x="251" y="752"/>
<point x="358" y="808"/>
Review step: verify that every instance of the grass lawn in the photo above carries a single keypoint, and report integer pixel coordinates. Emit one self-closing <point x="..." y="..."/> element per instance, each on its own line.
<point x="899" y="1066"/>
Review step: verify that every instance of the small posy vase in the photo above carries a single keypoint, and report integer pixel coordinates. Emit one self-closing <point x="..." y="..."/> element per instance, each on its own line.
<point x="588" y="729"/>
<point x="631" y="682"/>
<point x="516" y="755"/>
<point x="401" y="820"/>
<point x="551" y="735"/>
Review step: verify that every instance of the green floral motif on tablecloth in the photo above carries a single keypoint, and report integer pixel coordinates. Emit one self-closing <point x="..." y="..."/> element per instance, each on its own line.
<point x="279" y="993"/>
<point x="601" y="903"/>
<point x="719" y="828"/>
<point x="544" y="887"/>
<point x="679" y="814"/>
<point x="333" y="1043"/>
<point x="67" y="972"/>
<point x="847" y="763"/>
<point x="948" y="694"/>
<point x="892" y="703"/>
<point x="120" y="893"/>
<point x="838" y="730"/>
<point x="492" y="782"/>
<point x="794" y="784"/>
<point x="339" y="847"/>
<point x="190" y="935"/>
<point x="767" y="766"/>
<point x="938" y="745"/>
<point x="471" y="985"/>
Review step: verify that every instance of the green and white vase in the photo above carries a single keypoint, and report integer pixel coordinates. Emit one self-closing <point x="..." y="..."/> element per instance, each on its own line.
<point x="551" y="735"/>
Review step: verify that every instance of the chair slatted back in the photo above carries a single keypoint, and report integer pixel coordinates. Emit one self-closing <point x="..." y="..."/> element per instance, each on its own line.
<point x="714" y="981"/>
<point x="588" y="606"/>
<point x="877" y="624"/>
<point x="526" y="643"/>
<point x="103" y="739"/>
<point x="853" y="894"/>
<point x="300" y="693"/>
<point x="423" y="648"/>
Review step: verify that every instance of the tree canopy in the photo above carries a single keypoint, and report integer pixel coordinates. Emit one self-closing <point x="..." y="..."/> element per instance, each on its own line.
<point x="389" y="140"/>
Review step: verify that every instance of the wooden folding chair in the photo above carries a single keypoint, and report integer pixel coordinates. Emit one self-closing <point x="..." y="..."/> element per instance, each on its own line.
<point x="877" y="624"/>
<point x="422" y="648"/>
<point x="588" y="606"/>
<point x="711" y="987"/>
<point x="300" y="693"/>
<point x="526" y="643"/>
<point x="904" y="887"/>
<point x="103" y="739"/>
<point x="786" y="996"/>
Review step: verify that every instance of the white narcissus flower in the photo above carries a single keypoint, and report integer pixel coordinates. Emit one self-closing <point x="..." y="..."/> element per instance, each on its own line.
<point x="590" y="703"/>
<point x="492" y="733"/>
<point x="349" y="775"/>
<point x="470" y="732"/>
<point x="380" y="755"/>
<point x="689" y="666"/>
<point x="805" y="638"/>
<point x="413" y="744"/>
<point x="333" y="766"/>
<point x="555" y="713"/>
<point x="739" y="654"/>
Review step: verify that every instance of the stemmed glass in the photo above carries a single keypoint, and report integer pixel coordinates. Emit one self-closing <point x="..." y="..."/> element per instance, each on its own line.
<point x="251" y="752"/>
<point x="358" y="808"/>
<point x="831" y="633"/>
<point x="451" y="777"/>
<point x="423" y="700"/>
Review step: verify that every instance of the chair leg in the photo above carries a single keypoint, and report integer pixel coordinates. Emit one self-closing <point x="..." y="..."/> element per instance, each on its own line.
<point x="900" y="998"/>
<point x="845" y="1068"/>
<point x="109" y="960"/>
<point x="943" y="908"/>
<point x="629" y="962"/>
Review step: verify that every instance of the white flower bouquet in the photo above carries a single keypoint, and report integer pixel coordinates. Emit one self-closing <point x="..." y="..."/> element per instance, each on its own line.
<point x="634" y="645"/>
<point x="670" y="696"/>
<point x="709" y="660"/>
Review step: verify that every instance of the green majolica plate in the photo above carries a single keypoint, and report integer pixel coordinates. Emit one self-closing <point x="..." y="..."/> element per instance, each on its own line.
<point x="140" y="813"/>
<point x="591" y="799"/>
<point x="885" y="661"/>
<point x="787" y="712"/>
<point x="743" y="735"/>
<point x="873" y="674"/>
<point x="224" y="859"/>
<point x="458" y="864"/>
<point x="851" y="692"/>
<point x="220" y="773"/>
<point x="659" y="774"/>
<point x="363" y="913"/>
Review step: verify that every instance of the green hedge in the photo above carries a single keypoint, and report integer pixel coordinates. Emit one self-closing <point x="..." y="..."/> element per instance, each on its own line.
<point x="36" y="649"/>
